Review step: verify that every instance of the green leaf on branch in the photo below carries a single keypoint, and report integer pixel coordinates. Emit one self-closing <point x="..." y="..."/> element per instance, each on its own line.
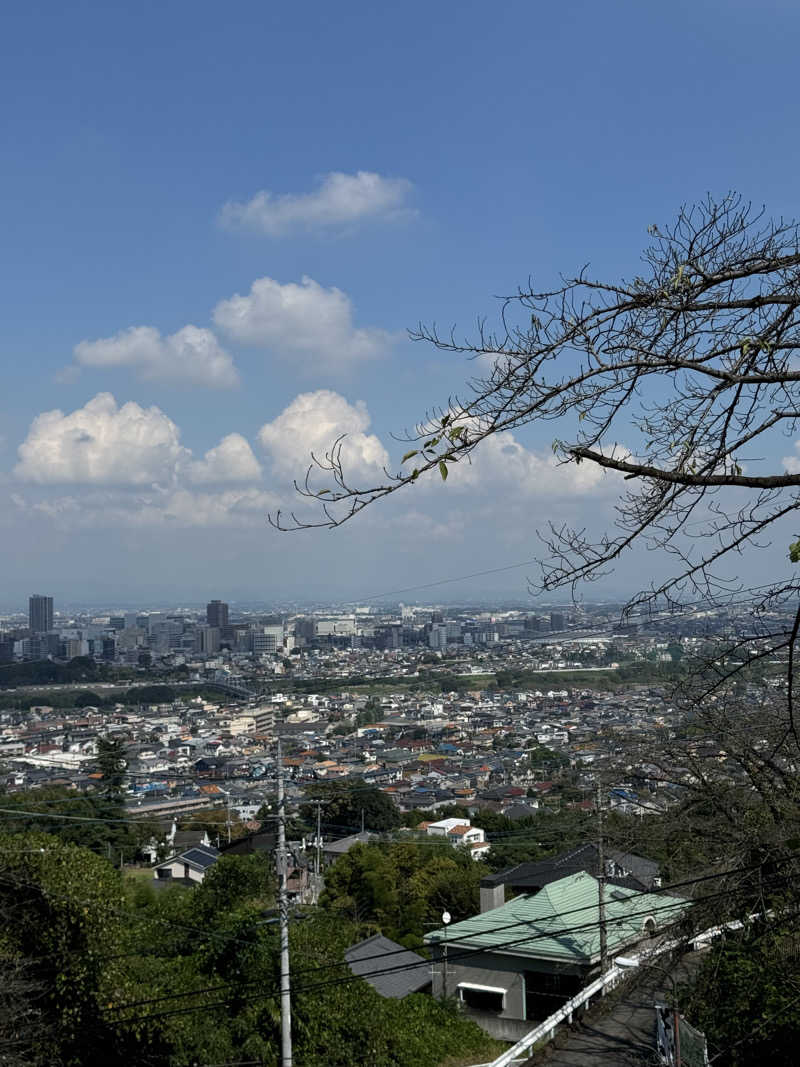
<point x="443" y="470"/>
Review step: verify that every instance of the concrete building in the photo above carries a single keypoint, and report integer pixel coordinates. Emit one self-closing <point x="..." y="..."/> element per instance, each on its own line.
<point x="459" y="832"/>
<point x="266" y="639"/>
<point x="40" y="613"/>
<point x="217" y="614"/>
<point x="259" y="720"/>
<point x="206" y="640"/>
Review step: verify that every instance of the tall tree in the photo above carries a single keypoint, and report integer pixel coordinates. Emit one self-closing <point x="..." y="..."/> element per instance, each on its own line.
<point x="347" y="807"/>
<point x="112" y="764"/>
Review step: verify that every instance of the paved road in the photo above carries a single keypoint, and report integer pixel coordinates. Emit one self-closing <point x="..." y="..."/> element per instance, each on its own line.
<point x="623" y="1036"/>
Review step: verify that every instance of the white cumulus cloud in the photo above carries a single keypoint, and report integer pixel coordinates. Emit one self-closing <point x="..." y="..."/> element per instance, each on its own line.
<point x="177" y="509"/>
<point x="311" y="423"/>
<point x="102" y="444"/>
<point x="791" y="464"/>
<point x="232" y="460"/>
<point x="192" y="356"/>
<point x="341" y="200"/>
<point x="304" y="322"/>
<point x="504" y="466"/>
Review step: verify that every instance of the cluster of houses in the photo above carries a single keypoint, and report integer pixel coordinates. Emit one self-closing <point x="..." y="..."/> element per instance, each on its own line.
<point x="535" y="942"/>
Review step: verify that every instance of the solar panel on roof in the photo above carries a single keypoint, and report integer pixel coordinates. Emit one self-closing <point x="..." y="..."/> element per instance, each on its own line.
<point x="200" y="857"/>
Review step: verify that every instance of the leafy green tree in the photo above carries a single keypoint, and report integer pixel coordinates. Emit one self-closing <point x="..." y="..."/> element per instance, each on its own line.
<point x="86" y="698"/>
<point x="345" y="805"/>
<point x="112" y="764"/>
<point x="215" y="822"/>
<point x="150" y="694"/>
<point x="66" y="905"/>
<point x="746" y="999"/>
<point x="347" y="1023"/>
<point x="402" y="886"/>
<point x="95" y="820"/>
<point x="236" y="880"/>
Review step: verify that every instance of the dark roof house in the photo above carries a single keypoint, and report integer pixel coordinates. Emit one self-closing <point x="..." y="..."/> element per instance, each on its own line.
<point x="332" y="850"/>
<point x="621" y="868"/>
<point x="368" y="959"/>
<point x="188" y="867"/>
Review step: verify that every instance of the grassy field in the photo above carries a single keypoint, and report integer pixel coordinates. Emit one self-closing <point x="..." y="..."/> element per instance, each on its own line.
<point x="135" y="875"/>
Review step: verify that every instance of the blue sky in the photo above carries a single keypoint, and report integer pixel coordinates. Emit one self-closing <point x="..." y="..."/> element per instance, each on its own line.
<point x="503" y="141"/>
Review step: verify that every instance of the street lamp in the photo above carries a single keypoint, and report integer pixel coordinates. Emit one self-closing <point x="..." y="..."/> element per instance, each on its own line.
<point x="630" y="962"/>
<point x="446" y="917"/>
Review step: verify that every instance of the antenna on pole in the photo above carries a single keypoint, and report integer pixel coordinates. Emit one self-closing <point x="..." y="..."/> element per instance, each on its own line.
<point x="318" y="847"/>
<point x="446" y="920"/>
<point x="283" y="915"/>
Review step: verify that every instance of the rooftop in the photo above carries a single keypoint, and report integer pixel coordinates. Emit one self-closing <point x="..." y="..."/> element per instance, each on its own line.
<point x="368" y="957"/>
<point x="561" y="921"/>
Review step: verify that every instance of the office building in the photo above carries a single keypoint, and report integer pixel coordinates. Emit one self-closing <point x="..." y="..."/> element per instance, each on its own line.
<point x="265" y="639"/>
<point x="206" y="640"/>
<point x="40" y="613"/>
<point x="217" y="614"/>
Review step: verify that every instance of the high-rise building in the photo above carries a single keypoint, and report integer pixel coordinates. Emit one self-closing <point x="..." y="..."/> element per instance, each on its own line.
<point x="40" y="613"/>
<point x="206" y="640"/>
<point x="265" y="639"/>
<point x="217" y="614"/>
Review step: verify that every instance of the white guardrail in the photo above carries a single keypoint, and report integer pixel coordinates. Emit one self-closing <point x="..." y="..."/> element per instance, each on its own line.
<point x="545" y="1031"/>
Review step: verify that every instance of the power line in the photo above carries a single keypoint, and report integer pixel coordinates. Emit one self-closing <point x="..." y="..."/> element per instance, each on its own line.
<point x="10" y="877"/>
<point x="448" y="581"/>
<point x="498" y="570"/>
<point x="649" y="910"/>
<point x="25" y="814"/>
<point x="353" y="978"/>
<point x="758" y="1026"/>
<point x="527" y="937"/>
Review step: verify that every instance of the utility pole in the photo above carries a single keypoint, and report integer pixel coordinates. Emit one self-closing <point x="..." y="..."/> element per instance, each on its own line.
<point x="228" y="801"/>
<point x="601" y="883"/>
<point x="283" y="915"/>
<point x="318" y="848"/>
<point x="445" y="920"/>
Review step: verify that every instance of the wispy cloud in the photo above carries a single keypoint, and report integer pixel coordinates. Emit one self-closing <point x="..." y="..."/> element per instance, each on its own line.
<point x="341" y="200"/>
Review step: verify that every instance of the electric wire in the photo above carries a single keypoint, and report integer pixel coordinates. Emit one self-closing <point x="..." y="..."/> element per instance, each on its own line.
<point x="630" y="895"/>
<point x="334" y="982"/>
<point x="9" y="878"/>
<point x="461" y="953"/>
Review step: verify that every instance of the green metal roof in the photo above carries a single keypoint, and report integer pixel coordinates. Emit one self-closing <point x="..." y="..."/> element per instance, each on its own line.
<point x="561" y="921"/>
